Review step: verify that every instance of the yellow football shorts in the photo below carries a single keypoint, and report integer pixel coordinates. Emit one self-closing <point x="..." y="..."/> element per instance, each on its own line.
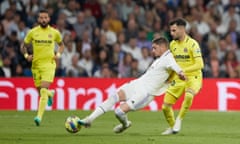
<point x="43" y="72"/>
<point x="178" y="87"/>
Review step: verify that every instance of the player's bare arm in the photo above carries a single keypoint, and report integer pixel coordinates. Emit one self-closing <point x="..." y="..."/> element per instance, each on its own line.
<point x="59" y="51"/>
<point x="25" y="48"/>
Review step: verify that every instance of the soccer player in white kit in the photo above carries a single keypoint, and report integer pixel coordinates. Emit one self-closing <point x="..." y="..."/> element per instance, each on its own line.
<point x="140" y="92"/>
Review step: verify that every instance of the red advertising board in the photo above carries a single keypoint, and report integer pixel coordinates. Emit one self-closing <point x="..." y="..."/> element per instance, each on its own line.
<point x="87" y="93"/>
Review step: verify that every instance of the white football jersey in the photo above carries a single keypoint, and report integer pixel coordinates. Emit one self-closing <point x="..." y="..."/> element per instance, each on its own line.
<point x="154" y="79"/>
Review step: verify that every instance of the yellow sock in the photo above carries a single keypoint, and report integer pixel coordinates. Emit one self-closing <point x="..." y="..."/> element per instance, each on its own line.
<point x="187" y="102"/>
<point x="169" y="114"/>
<point x="42" y="102"/>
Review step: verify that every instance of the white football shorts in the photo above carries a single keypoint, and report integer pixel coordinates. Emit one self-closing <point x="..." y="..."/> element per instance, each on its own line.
<point x="136" y="95"/>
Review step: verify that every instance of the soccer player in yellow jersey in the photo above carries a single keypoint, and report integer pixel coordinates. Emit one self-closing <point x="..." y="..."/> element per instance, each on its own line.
<point x="187" y="54"/>
<point x="43" y="39"/>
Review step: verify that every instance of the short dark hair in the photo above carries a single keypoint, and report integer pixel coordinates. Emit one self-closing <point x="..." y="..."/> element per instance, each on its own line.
<point x="178" y="22"/>
<point x="42" y="11"/>
<point x="160" y="40"/>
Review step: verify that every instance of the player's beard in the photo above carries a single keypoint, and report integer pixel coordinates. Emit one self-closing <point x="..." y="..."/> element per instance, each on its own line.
<point x="175" y="38"/>
<point x="43" y="24"/>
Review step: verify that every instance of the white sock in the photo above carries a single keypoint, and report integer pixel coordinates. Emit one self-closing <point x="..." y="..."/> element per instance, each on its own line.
<point x="121" y="116"/>
<point x="104" y="107"/>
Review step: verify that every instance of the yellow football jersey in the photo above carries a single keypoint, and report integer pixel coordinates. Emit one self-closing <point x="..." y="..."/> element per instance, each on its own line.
<point x="185" y="53"/>
<point x="43" y="41"/>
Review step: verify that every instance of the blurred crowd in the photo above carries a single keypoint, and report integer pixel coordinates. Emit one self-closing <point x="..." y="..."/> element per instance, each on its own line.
<point x="112" y="38"/>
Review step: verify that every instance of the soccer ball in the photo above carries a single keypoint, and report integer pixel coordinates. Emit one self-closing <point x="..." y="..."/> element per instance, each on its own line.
<point x="71" y="124"/>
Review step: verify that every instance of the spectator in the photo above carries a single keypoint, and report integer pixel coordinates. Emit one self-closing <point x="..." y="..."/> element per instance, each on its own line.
<point x="146" y="4"/>
<point x="127" y="7"/>
<point x="142" y="40"/>
<point x="185" y="7"/>
<point x="116" y="6"/>
<point x="96" y="36"/>
<point x="80" y="26"/>
<point x="214" y="68"/>
<point x="104" y="71"/>
<point x="110" y="35"/>
<point x="68" y="53"/>
<point x="124" y="67"/>
<point x="226" y="18"/>
<point x="6" y="67"/>
<point x="121" y="40"/>
<point x="102" y="58"/>
<point x="115" y="23"/>
<point x="2" y="37"/>
<point x="222" y="49"/>
<point x="60" y="71"/>
<point x="8" y="22"/>
<point x="146" y="60"/>
<point x="71" y="11"/>
<point x="95" y="8"/>
<point x="133" y="49"/>
<point x="62" y="27"/>
<point x="116" y="56"/>
<point x="231" y="64"/>
<point x="131" y="30"/>
<point x="139" y="14"/>
<point x="134" y="70"/>
<point x="19" y="71"/>
<point x="102" y="45"/>
<point x="199" y="23"/>
<point x="90" y="19"/>
<point x="22" y="30"/>
<point x="32" y="9"/>
<point x="233" y="33"/>
<point x="86" y="62"/>
<point x="74" y="70"/>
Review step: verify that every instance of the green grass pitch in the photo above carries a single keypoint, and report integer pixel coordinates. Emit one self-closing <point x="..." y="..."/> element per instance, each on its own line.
<point x="199" y="127"/>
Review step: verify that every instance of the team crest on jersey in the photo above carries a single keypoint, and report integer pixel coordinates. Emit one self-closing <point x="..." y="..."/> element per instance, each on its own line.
<point x="50" y="36"/>
<point x="185" y="50"/>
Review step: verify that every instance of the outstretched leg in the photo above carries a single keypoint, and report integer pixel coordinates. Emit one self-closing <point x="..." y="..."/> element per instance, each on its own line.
<point x="100" y="110"/>
<point x="184" y="109"/>
<point x="121" y="115"/>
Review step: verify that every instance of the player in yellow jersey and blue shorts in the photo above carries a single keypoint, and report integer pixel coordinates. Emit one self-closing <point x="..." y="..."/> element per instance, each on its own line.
<point x="43" y="39"/>
<point x="187" y="54"/>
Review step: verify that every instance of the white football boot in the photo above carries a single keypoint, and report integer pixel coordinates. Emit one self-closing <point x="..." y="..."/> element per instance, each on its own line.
<point x="120" y="128"/>
<point x="85" y="122"/>
<point x="168" y="131"/>
<point x="177" y="125"/>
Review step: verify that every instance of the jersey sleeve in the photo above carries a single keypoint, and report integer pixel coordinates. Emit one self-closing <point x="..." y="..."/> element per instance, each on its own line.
<point x="58" y="37"/>
<point x="172" y="64"/>
<point x="28" y="37"/>
<point x="171" y="46"/>
<point x="196" y="51"/>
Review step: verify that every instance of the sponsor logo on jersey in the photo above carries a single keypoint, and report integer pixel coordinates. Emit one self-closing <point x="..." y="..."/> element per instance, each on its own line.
<point x="182" y="56"/>
<point x="43" y="41"/>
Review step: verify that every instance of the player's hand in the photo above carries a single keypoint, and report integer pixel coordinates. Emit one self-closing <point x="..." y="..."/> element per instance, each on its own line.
<point x="57" y="56"/>
<point x="29" y="58"/>
<point x="182" y="76"/>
